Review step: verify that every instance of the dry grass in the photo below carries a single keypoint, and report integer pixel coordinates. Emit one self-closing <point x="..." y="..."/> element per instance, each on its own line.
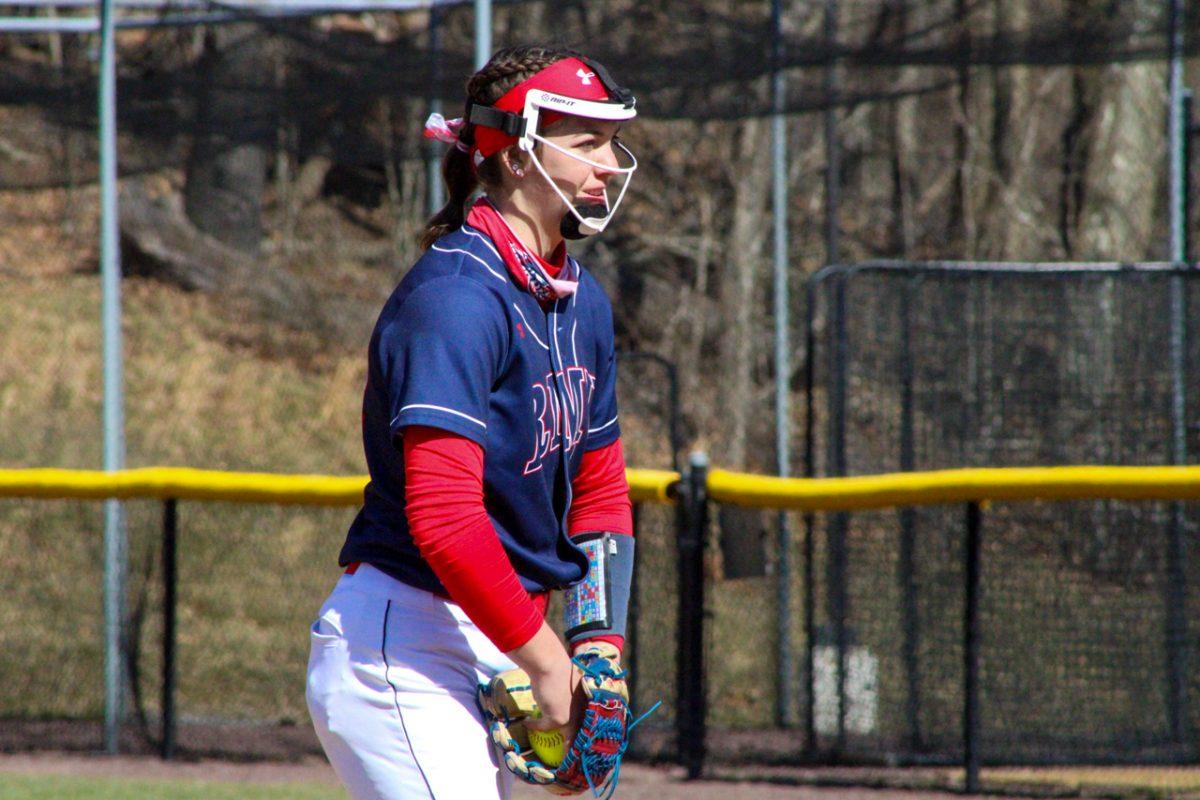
<point x="208" y="384"/>
<point x="1174" y="782"/>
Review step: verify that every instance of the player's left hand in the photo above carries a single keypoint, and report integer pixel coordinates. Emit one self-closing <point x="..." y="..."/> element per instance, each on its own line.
<point x="593" y="754"/>
<point x="507" y="703"/>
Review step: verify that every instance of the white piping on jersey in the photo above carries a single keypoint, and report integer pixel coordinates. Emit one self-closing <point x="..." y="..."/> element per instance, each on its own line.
<point x="574" y="350"/>
<point x="566" y="378"/>
<point x="472" y="255"/>
<point x="575" y="356"/>
<point x="482" y="237"/>
<point x="480" y="423"/>
<point x="530" y="327"/>
<point x="565" y="431"/>
<point x="568" y="402"/>
<point x="602" y="427"/>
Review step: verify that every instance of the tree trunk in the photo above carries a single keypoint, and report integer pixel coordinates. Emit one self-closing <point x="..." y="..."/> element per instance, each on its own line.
<point x="901" y="141"/>
<point x="1122" y="216"/>
<point x="1076" y="149"/>
<point x="235" y="119"/>
<point x="159" y="241"/>
<point x="961" y="221"/>
<point x="751" y="181"/>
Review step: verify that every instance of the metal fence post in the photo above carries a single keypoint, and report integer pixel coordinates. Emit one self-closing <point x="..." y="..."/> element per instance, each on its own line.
<point x="690" y="684"/>
<point x="1189" y="131"/>
<point x="809" y="710"/>
<point x="115" y="533"/>
<point x="1175" y="600"/>
<point x="839" y="522"/>
<point x="1176" y="595"/>
<point x="1176" y="634"/>
<point x="785" y="708"/>
<point x="435" y="192"/>
<point x="908" y="527"/>
<point x="971" y="721"/>
<point x="170" y="526"/>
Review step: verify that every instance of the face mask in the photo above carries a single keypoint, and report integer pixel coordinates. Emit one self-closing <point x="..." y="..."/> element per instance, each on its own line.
<point x="572" y="86"/>
<point x="585" y="220"/>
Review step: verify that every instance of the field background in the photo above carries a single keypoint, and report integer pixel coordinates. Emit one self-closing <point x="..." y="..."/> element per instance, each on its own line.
<point x="206" y="382"/>
<point x="945" y="158"/>
<point x="43" y="777"/>
<point x="211" y="388"/>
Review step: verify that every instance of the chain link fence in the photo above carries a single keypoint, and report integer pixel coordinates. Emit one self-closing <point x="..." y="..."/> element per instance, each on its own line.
<point x="1007" y="633"/>
<point x="1084" y="607"/>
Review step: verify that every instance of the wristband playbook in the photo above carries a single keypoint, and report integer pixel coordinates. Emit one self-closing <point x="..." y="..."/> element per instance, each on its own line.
<point x="599" y="604"/>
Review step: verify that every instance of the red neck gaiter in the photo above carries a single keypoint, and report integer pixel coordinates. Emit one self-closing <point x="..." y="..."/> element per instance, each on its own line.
<point x="532" y="273"/>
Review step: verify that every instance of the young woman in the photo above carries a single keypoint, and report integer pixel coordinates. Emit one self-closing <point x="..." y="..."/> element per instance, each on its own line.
<point x="491" y="436"/>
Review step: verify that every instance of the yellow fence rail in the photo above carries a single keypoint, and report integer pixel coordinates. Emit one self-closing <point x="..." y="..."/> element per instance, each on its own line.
<point x="955" y="486"/>
<point x="181" y="483"/>
<point x="805" y="494"/>
<point x="802" y="494"/>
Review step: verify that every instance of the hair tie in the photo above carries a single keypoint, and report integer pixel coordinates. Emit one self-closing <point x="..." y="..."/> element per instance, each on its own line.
<point x="446" y="130"/>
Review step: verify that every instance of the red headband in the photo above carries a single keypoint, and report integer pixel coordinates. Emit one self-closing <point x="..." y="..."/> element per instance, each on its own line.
<point x="569" y="77"/>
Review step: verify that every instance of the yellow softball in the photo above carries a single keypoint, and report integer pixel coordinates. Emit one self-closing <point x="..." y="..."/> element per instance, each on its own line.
<point x="549" y="746"/>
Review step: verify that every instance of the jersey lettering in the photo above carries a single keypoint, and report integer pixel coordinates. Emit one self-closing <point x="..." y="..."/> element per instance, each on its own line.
<point x="556" y="422"/>
<point x="579" y="385"/>
<point x="545" y="422"/>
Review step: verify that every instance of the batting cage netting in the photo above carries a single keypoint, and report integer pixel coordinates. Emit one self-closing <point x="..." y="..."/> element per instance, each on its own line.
<point x="1084" y="624"/>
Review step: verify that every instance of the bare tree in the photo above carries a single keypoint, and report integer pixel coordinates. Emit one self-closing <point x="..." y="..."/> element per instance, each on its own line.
<point x="232" y="144"/>
<point x="741" y="297"/>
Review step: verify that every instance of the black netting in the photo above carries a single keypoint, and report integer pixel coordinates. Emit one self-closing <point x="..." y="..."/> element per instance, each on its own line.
<point x="51" y="620"/>
<point x="689" y="60"/>
<point x="1084" y="606"/>
<point x="651" y="649"/>
<point x="1003" y="370"/>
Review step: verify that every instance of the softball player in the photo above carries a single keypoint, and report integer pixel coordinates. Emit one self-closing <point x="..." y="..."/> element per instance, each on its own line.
<point x="491" y="436"/>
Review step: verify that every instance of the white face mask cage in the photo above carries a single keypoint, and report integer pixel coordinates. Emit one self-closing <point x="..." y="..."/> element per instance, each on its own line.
<point x="592" y="109"/>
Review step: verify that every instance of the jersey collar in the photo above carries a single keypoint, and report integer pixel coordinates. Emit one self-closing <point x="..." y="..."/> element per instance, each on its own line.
<point x="546" y="280"/>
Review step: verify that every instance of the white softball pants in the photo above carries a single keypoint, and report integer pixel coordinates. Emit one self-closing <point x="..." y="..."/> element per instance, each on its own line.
<point x="392" y="676"/>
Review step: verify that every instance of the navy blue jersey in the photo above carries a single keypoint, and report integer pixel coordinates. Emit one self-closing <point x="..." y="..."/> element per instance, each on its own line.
<point x="462" y="347"/>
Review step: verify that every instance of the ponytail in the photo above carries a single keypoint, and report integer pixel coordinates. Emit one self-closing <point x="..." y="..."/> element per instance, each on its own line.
<point x="461" y="182"/>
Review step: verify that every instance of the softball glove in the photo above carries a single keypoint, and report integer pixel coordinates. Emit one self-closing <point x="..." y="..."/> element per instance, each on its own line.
<point x="592" y="760"/>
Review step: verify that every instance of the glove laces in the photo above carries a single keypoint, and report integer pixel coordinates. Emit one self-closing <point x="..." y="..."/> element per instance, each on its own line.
<point x="599" y="669"/>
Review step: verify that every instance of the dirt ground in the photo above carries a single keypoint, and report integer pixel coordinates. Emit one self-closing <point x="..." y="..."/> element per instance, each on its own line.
<point x="638" y="782"/>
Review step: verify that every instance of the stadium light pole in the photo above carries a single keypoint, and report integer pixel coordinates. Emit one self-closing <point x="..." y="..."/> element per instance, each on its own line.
<point x="483" y="32"/>
<point x="114" y="415"/>
<point x="1176" y="599"/>
<point x="785" y="712"/>
<point x="435" y="194"/>
<point x="1175" y="129"/>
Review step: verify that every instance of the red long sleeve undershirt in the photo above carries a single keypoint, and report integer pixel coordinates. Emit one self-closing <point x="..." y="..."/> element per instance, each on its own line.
<point x="443" y="475"/>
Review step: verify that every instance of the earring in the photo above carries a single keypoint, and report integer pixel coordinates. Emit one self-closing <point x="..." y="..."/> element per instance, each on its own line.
<point x="516" y="168"/>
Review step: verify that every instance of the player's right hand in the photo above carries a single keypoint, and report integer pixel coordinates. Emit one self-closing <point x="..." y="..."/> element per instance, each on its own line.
<point x="560" y="698"/>
<point x="554" y="680"/>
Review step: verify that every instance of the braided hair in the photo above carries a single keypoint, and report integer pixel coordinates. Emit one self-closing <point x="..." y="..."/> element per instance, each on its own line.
<point x="505" y="69"/>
